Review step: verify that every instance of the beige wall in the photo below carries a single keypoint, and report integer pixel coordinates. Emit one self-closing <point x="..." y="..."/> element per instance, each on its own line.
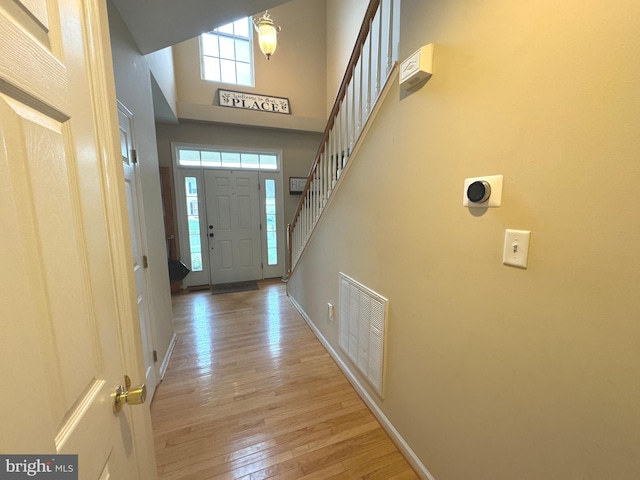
<point x="133" y="88"/>
<point x="344" y="18"/>
<point x="164" y="92"/>
<point x="298" y="148"/>
<point x="296" y="71"/>
<point x="496" y="372"/>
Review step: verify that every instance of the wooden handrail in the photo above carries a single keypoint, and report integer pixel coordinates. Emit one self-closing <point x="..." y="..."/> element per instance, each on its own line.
<point x="332" y="153"/>
<point x="353" y="60"/>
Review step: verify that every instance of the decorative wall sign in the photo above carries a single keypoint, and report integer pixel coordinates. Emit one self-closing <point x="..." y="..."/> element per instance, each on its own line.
<point x="250" y="101"/>
<point x="297" y="184"/>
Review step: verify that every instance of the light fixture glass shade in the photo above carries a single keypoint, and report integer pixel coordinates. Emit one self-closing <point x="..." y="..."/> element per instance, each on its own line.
<point x="267" y="34"/>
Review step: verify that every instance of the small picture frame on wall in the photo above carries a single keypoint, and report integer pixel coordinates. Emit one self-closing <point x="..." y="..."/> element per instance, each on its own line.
<point x="296" y="185"/>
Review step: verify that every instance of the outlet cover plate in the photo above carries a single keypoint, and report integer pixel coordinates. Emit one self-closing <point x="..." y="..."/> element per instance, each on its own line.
<point x="331" y="311"/>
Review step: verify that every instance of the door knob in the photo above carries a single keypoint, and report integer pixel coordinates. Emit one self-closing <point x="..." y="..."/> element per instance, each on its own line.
<point x="128" y="395"/>
<point x="211" y="235"/>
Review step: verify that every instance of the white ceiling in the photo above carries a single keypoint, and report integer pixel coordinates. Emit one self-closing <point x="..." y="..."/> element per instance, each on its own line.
<point x="156" y="24"/>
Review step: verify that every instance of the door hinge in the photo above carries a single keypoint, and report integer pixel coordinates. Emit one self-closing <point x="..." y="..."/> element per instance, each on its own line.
<point x="155" y="356"/>
<point x="260" y="226"/>
<point x="134" y="155"/>
<point x="145" y="261"/>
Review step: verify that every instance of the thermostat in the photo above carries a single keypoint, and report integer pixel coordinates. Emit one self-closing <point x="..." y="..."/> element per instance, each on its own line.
<point x="482" y="192"/>
<point x="479" y="191"/>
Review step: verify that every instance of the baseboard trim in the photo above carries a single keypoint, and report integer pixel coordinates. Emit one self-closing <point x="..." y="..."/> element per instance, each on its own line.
<point x="165" y="361"/>
<point x="402" y="445"/>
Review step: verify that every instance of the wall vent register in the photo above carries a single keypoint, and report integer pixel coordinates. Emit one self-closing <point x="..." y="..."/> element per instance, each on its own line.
<point x="363" y="323"/>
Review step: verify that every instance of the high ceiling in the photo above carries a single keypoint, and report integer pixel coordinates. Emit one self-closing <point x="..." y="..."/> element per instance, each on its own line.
<point x="156" y="24"/>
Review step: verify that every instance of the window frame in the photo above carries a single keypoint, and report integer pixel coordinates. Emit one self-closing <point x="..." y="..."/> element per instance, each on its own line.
<point x="229" y="150"/>
<point x="234" y="38"/>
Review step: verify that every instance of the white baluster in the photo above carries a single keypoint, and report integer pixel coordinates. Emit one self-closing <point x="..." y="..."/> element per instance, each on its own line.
<point x="353" y="109"/>
<point x="369" y="77"/>
<point x="339" y="142"/>
<point x="391" y="33"/>
<point x="360" y="94"/>
<point x="379" y="62"/>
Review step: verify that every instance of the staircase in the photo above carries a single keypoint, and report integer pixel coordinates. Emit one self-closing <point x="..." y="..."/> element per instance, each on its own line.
<point x="371" y="65"/>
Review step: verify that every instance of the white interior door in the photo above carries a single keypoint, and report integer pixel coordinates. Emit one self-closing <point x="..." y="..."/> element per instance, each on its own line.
<point x="233" y="225"/>
<point x="136" y="227"/>
<point x="64" y="259"/>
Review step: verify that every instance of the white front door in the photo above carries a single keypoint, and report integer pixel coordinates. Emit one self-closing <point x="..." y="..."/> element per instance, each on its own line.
<point x="68" y="322"/>
<point x="136" y="224"/>
<point x="233" y="225"/>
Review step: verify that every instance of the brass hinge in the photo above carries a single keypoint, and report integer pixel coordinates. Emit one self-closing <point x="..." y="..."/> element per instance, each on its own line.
<point x="155" y="355"/>
<point x="134" y="155"/>
<point x="145" y="261"/>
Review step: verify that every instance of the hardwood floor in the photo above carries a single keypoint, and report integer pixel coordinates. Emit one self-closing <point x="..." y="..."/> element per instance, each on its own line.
<point x="250" y="393"/>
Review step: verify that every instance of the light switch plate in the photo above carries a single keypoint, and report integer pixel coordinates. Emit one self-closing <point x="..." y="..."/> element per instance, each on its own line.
<point x="495" y="199"/>
<point x="516" y="248"/>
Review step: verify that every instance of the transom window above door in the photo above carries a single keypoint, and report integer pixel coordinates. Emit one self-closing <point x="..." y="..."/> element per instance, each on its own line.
<point x="227" y="53"/>
<point x="208" y="158"/>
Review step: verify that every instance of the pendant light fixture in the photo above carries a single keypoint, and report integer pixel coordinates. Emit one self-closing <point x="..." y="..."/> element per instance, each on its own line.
<point x="267" y="34"/>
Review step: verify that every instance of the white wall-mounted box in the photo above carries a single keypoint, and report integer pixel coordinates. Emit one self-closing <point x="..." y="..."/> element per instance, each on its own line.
<point x="416" y="68"/>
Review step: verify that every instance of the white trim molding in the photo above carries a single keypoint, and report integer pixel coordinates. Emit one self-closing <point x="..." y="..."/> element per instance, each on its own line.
<point x="165" y="361"/>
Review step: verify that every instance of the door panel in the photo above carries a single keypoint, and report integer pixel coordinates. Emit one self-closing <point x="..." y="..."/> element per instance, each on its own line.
<point x="246" y="253"/>
<point x="244" y="212"/>
<point x="226" y="254"/>
<point x="233" y="216"/>
<point x="38" y="10"/>
<point x="224" y="213"/>
<point x="61" y="341"/>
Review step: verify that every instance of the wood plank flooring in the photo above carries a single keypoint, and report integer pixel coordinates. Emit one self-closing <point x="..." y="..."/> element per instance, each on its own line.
<point x="250" y="393"/>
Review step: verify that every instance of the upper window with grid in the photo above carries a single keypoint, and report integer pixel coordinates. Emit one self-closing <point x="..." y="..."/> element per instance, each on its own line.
<point x="227" y="53"/>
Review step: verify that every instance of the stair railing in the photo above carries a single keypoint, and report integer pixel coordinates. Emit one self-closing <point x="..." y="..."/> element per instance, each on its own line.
<point x="370" y="64"/>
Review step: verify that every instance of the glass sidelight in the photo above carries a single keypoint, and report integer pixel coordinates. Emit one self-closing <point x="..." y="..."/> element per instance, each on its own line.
<point x="272" y="224"/>
<point x="193" y="222"/>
